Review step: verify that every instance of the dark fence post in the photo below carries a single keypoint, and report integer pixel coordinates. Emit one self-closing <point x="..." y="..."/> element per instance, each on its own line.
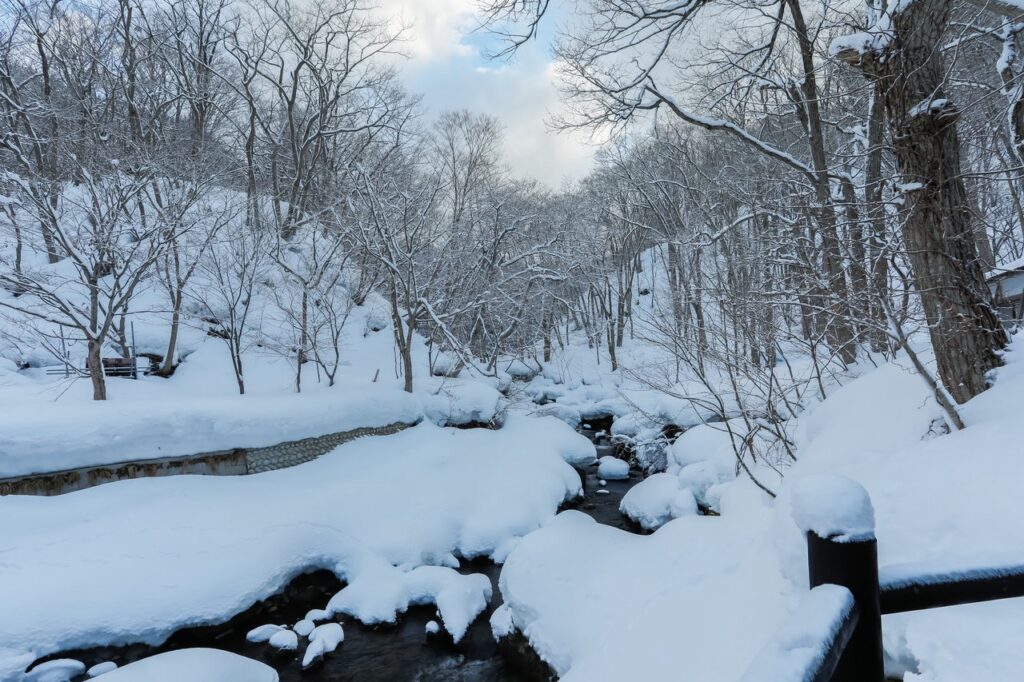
<point x="853" y="565"/>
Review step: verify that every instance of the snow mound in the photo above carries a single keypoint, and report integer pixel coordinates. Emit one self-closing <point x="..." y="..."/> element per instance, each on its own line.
<point x="379" y="597"/>
<point x="833" y="507"/>
<point x="194" y="665"/>
<point x="101" y="669"/>
<point x="613" y="468"/>
<point x="284" y="640"/>
<point x="456" y="402"/>
<point x="694" y="600"/>
<point x="703" y="443"/>
<point x="657" y="500"/>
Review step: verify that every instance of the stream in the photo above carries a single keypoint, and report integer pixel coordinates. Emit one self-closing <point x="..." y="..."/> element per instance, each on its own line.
<point x="401" y="652"/>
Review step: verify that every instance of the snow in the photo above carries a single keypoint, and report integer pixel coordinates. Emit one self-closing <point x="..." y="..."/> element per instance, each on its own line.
<point x="303" y="627"/>
<point x="657" y="500"/>
<point x="694" y="600"/>
<point x="323" y="640"/>
<point x="331" y="634"/>
<point x="197" y="549"/>
<point x="432" y="628"/>
<point x="457" y="402"/>
<point x="701" y="596"/>
<point x="613" y="468"/>
<point x="317" y="615"/>
<point x="798" y="647"/>
<point x="58" y="670"/>
<point x="379" y="597"/>
<point x="975" y="567"/>
<point x="44" y="437"/>
<point x="101" y="668"/>
<point x="194" y="665"/>
<point x="284" y="640"/>
<point x="833" y="507"/>
<point x="263" y="633"/>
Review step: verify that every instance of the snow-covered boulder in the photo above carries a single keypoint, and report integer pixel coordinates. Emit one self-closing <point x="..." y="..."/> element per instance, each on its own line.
<point x="702" y="443"/>
<point x="656" y="500"/>
<point x="461" y="402"/>
<point x="613" y="468"/>
<point x="284" y="640"/>
<point x="521" y="371"/>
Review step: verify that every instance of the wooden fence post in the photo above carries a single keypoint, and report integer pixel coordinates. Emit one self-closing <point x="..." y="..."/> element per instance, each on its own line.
<point x="853" y="565"/>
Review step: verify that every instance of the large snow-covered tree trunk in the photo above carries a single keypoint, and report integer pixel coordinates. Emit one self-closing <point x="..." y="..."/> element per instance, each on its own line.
<point x="937" y="228"/>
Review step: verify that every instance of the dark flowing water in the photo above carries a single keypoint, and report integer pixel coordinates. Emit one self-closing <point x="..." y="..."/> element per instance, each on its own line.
<point x="399" y="653"/>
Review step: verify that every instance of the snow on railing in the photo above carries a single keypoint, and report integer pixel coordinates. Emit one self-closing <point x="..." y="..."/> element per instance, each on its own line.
<point x="819" y="643"/>
<point x="808" y="645"/>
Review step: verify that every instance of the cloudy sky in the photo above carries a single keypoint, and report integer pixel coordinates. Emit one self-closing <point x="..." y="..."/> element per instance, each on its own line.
<point x="448" y="68"/>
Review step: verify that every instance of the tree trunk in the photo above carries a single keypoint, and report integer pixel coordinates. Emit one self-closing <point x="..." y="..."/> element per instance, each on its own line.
<point x="878" y="258"/>
<point x="841" y="334"/>
<point x="95" y="362"/>
<point x="172" y="342"/>
<point x="941" y="246"/>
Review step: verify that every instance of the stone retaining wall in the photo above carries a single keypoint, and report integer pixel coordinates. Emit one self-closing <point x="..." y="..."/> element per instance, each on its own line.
<point x="220" y="463"/>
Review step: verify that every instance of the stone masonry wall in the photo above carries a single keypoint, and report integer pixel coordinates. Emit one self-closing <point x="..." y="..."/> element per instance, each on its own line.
<point x="221" y="463"/>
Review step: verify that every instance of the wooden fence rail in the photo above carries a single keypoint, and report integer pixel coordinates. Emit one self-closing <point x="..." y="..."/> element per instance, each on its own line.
<point x="853" y="565"/>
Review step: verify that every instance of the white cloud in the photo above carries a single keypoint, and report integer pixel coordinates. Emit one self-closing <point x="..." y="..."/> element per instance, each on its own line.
<point x="447" y="70"/>
<point x="436" y="27"/>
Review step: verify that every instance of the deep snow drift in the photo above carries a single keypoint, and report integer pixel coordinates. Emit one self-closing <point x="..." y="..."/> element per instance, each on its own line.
<point x="135" y="560"/>
<point x="701" y="596"/>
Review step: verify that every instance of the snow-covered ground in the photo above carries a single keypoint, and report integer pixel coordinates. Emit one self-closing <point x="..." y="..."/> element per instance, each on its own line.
<point x="701" y="596"/>
<point x="49" y="423"/>
<point x="134" y="560"/>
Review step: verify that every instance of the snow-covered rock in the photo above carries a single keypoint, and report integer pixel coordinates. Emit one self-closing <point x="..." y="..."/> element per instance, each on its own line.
<point x="331" y="634"/>
<point x="284" y="640"/>
<point x="458" y="402"/>
<point x="322" y="640"/>
<point x="101" y="668"/>
<point x="613" y="468"/>
<point x="263" y="633"/>
<point x="656" y="500"/>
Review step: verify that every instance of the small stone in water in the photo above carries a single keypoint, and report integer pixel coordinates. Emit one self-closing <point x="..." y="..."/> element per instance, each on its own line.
<point x="284" y="640"/>
<point x="602" y="491"/>
<point x="602" y="482"/>
<point x="433" y="628"/>
<point x="304" y="627"/>
<point x="101" y="668"/>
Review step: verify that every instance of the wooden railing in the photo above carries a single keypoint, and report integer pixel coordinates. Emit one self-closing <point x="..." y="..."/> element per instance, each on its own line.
<point x="842" y="641"/>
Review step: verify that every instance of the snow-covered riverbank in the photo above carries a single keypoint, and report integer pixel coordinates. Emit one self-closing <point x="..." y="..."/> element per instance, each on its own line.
<point x="135" y="560"/>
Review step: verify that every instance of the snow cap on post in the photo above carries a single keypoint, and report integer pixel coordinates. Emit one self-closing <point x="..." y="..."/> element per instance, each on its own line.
<point x="833" y="507"/>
